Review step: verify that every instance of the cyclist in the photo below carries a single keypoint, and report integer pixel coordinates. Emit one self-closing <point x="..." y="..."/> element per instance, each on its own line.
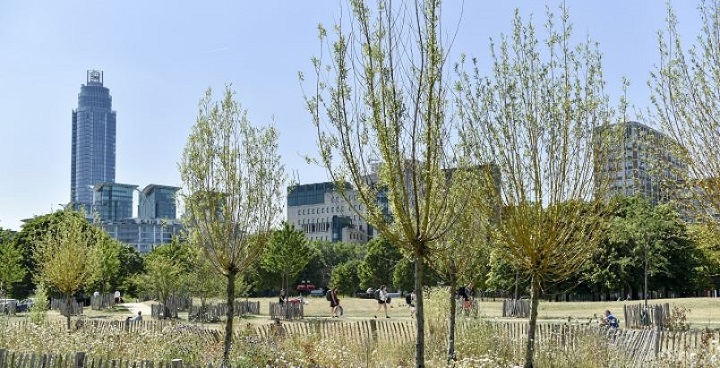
<point x="465" y="292"/>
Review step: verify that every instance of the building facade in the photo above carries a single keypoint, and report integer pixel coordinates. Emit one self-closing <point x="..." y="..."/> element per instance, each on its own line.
<point x="323" y="214"/>
<point x="634" y="159"/>
<point x="143" y="234"/>
<point x="156" y="223"/>
<point x="112" y="201"/>
<point x="158" y="202"/>
<point x="93" y="141"/>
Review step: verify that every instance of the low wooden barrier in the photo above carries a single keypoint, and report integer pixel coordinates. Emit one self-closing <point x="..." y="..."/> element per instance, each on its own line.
<point x="519" y="308"/>
<point x="638" y="316"/>
<point x="214" y="312"/>
<point x="286" y="311"/>
<point x="102" y="301"/>
<point x="61" y="305"/>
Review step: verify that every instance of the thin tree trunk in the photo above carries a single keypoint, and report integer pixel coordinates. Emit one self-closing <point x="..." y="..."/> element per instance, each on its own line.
<point x="229" y="321"/>
<point x="67" y="310"/>
<point x="419" y="313"/>
<point x="530" y="347"/>
<point x="451" y="321"/>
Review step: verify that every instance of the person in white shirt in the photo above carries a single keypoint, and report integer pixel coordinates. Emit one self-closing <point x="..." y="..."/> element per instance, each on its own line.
<point x="382" y="300"/>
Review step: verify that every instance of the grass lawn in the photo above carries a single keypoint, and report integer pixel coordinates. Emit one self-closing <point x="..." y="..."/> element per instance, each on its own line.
<point x="702" y="312"/>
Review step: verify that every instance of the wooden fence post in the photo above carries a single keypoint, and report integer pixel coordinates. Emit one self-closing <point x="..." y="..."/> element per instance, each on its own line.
<point x="373" y="330"/>
<point x="176" y="363"/>
<point x="79" y="360"/>
<point x="2" y="358"/>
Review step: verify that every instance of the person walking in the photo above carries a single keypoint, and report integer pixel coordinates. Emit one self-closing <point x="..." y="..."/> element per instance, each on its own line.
<point x="334" y="303"/>
<point x="382" y="300"/>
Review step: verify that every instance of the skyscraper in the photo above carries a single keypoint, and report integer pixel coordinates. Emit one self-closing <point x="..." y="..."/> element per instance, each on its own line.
<point x="93" y="141"/>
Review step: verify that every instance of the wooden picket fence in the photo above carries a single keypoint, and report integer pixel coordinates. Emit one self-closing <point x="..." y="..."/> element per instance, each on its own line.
<point x="213" y="313"/>
<point x="286" y="311"/>
<point x="516" y="308"/>
<point x="102" y="301"/>
<point x="81" y="360"/>
<point x="639" y="346"/>
<point x="356" y="332"/>
<point x="76" y="308"/>
<point x="637" y="316"/>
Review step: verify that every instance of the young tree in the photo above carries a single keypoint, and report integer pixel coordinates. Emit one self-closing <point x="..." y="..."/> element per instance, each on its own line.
<point x="163" y="278"/>
<point x="66" y="256"/>
<point x="685" y="98"/>
<point x="534" y="117"/>
<point x="233" y="180"/>
<point x="384" y="126"/>
<point x="108" y="265"/>
<point x="287" y="253"/>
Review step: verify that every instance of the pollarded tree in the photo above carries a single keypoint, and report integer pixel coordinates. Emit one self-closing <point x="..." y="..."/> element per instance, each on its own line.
<point x="66" y="256"/>
<point x="685" y="97"/>
<point x="286" y="254"/>
<point x="534" y="117"/>
<point x="233" y="182"/>
<point x="380" y="106"/>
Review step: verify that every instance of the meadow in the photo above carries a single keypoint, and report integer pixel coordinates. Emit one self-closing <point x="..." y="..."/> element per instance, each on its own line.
<point x="479" y="342"/>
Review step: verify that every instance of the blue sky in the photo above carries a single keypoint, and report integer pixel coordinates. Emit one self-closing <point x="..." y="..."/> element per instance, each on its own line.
<point x="158" y="58"/>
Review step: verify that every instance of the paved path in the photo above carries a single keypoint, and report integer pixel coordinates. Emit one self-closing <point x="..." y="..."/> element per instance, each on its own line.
<point x="135" y="307"/>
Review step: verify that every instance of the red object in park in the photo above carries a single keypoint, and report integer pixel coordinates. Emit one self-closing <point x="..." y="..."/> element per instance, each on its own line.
<point x="305" y="287"/>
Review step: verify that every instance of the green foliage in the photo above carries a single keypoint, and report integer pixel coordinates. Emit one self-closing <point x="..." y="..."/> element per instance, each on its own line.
<point x="105" y="277"/>
<point x="12" y="269"/>
<point x="163" y="277"/>
<point x="38" y="311"/>
<point x="24" y="240"/>
<point x="66" y="255"/>
<point x="287" y="253"/>
<point x="403" y="276"/>
<point x="233" y="178"/>
<point x="379" y="264"/>
<point x="131" y="265"/>
<point x="345" y="277"/>
<point x="535" y="117"/>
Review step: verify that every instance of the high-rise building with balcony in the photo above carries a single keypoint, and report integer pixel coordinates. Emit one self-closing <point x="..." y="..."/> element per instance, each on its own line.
<point x="633" y="159"/>
<point x="93" y="141"/>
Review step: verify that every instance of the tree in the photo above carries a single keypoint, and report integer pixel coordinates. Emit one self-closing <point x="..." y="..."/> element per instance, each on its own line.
<point x="163" y="277"/>
<point x="12" y="270"/>
<point x="685" y="99"/>
<point x="287" y="253"/>
<point x="345" y="277"/>
<point x="233" y="180"/>
<point x="706" y="237"/>
<point x="108" y="265"/>
<point x="380" y="260"/>
<point x="132" y="264"/>
<point x="66" y="256"/>
<point x="381" y="111"/>
<point x="534" y="117"/>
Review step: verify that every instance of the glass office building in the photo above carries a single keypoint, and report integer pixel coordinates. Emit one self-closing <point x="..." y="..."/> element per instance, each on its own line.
<point x="158" y="202"/>
<point x="112" y="201"/>
<point x="93" y="141"/>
